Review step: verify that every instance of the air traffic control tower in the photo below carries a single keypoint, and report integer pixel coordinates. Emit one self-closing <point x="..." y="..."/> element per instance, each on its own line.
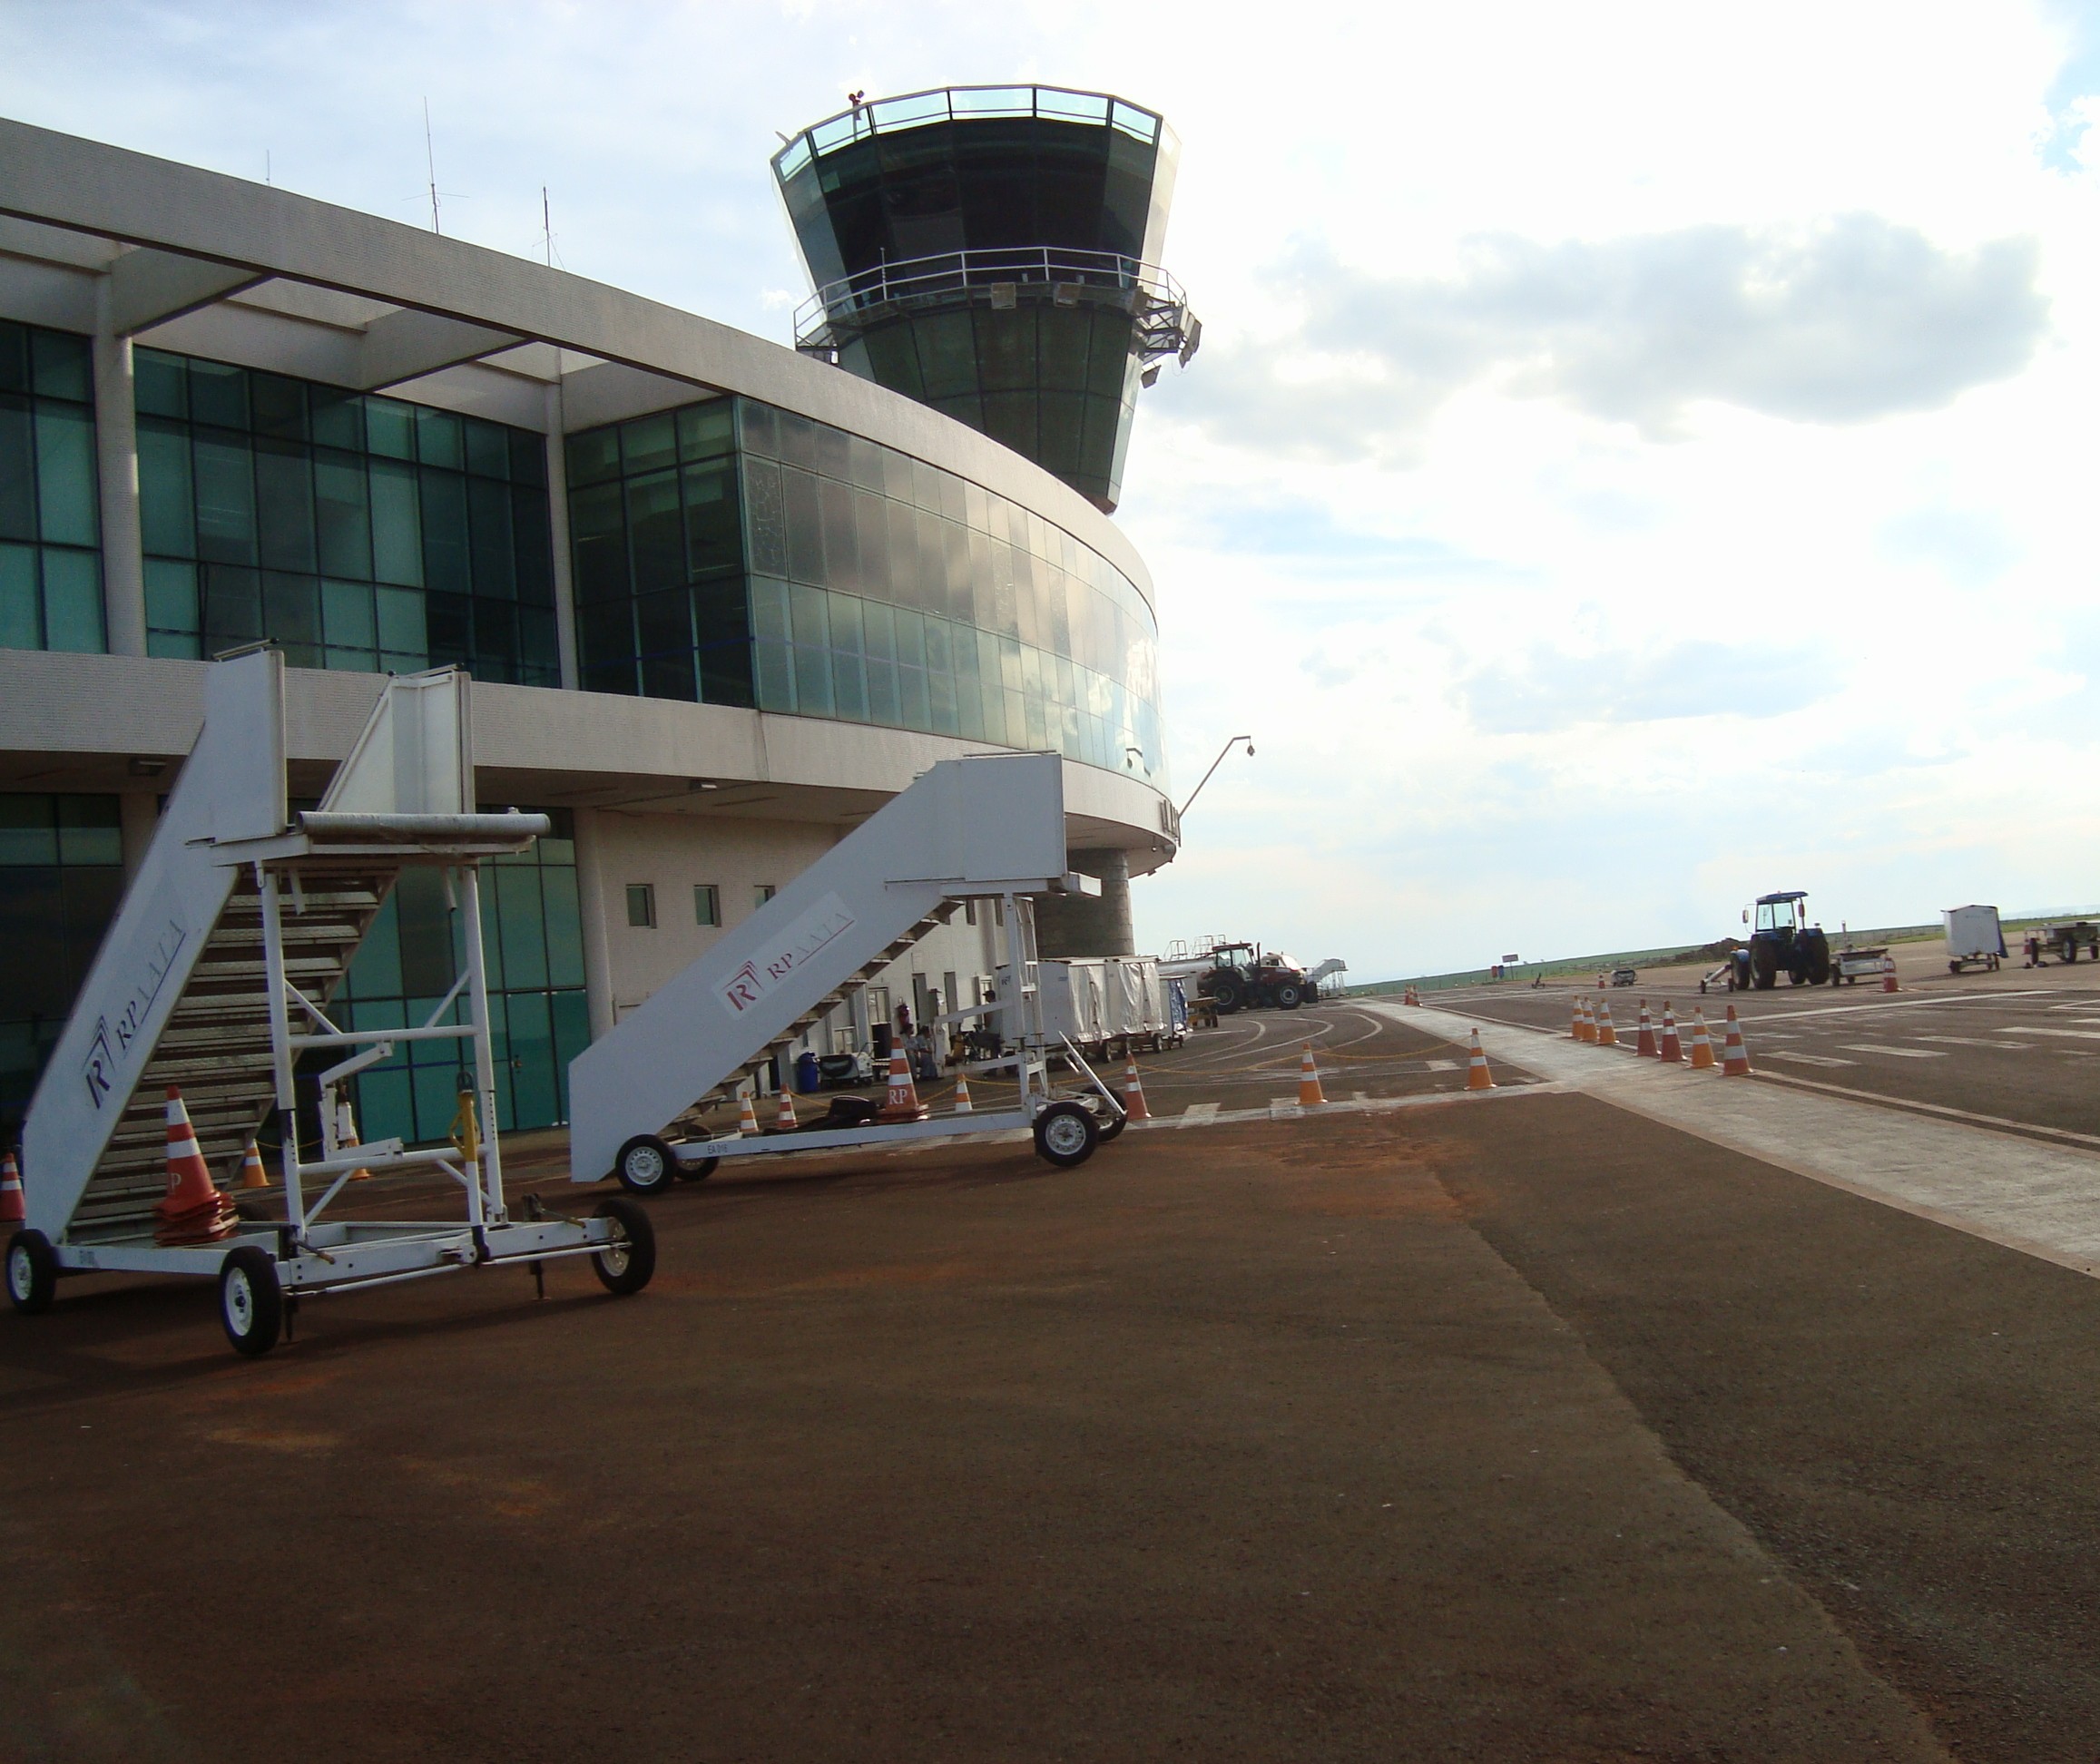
<point x="992" y="251"/>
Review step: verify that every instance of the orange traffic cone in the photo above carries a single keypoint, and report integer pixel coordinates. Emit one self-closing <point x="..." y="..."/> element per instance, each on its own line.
<point x="1575" y="1027"/>
<point x="252" y="1174"/>
<point x="1644" y="1040"/>
<point x="784" y="1121"/>
<point x="11" y="1210"/>
<point x="1672" y="1051"/>
<point x="1309" y="1094"/>
<point x="1888" y="975"/>
<point x="1702" y="1044"/>
<point x="1735" y="1057"/>
<point x="746" y="1116"/>
<point x="193" y="1209"/>
<point x="1586" y="1028"/>
<point x="1607" y="1036"/>
<point x="1477" y="1076"/>
<point x="1133" y="1108"/>
<point x="963" y="1103"/>
<point x="902" y="1104"/>
<point x="346" y="1138"/>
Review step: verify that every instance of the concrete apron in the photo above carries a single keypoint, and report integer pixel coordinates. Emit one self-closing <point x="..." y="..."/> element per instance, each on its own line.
<point x="2041" y="1199"/>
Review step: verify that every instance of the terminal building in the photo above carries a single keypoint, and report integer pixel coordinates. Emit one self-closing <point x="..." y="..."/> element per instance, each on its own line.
<point x="722" y="598"/>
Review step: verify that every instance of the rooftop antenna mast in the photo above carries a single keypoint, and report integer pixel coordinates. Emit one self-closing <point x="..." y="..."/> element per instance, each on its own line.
<point x="431" y="163"/>
<point x="547" y="225"/>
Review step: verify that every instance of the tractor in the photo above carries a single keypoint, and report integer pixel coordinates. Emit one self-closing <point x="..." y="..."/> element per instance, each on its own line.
<point x="1242" y="977"/>
<point x="1781" y="941"/>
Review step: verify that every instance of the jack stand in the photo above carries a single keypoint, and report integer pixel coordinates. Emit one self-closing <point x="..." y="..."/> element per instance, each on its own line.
<point x="291" y="1317"/>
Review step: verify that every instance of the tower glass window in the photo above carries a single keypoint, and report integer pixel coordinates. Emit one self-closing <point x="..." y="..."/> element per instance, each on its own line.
<point x="358" y="531"/>
<point x="50" y="531"/>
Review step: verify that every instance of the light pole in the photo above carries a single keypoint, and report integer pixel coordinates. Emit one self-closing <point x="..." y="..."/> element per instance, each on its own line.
<point x="1231" y="743"/>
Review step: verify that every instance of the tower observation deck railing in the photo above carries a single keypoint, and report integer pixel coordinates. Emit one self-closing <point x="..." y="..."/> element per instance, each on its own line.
<point x="918" y="110"/>
<point x="1161" y="322"/>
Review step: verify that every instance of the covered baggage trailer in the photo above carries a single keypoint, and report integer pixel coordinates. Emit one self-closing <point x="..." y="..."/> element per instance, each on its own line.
<point x="216" y="979"/>
<point x="1973" y="936"/>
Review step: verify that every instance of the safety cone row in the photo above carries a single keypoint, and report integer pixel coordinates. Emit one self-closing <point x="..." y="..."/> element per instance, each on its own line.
<point x="252" y="1174"/>
<point x="1701" y="1043"/>
<point x="1133" y="1103"/>
<point x="1607" y="1036"/>
<point x="1309" y="1094"/>
<point x="11" y="1210"/>
<point x="1644" y="1039"/>
<point x="1734" y="1057"/>
<point x="784" y="1119"/>
<point x="1671" y="1052"/>
<point x="1477" y="1076"/>
<point x="194" y="1210"/>
<point x="746" y="1116"/>
<point x="902" y="1103"/>
<point x="963" y="1103"/>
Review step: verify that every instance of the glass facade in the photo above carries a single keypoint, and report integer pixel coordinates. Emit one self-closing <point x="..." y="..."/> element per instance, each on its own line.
<point x="358" y="531"/>
<point x="61" y="875"/>
<point x="866" y="585"/>
<point x="50" y="518"/>
<point x="533" y="936"/>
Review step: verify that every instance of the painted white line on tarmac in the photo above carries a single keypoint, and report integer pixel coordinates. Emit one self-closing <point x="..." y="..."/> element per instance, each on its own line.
<point x="1440" y="1065"/>
<point x="1893" y="1053"/>
<point x="1810" y="1059"/>
<point x="2047" y="1029"/>
<point x="1974" y="1041"/>
<point x="1955" y="1167"/>
<point x="1197" y="1113"/>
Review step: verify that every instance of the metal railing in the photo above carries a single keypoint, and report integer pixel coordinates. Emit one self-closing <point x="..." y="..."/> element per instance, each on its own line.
<point x="918" y="110"/>
<point x="1158" y="307"/>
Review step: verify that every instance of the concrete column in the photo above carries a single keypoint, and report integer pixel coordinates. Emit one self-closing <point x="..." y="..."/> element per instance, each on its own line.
<point x="591" y="905"/>
<point x="116" y="442"/>
<point x="138" y="814"/>
<point x="558" y="534"/>
<point x="1070" y="926"/>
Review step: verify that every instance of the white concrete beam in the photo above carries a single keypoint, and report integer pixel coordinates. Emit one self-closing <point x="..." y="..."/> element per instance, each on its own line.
<point x="407" y="345"/>
<point x="147" y="287"/>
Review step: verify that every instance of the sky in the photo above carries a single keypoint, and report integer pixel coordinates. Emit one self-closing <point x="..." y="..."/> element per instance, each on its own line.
<point x="1639" y="457"/>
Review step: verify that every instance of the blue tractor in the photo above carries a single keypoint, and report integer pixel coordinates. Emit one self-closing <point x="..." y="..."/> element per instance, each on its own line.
<point x="1783" y="941"/>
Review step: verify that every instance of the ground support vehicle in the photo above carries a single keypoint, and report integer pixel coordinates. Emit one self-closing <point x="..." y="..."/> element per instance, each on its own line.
<point x="1241" y="977"/>
<point x="1973" y="935"/>
<point x="1624" y="976"/>
<point x="1781" y="941"/>
<point x="987" y="827"/>
<point x="2065" y="941"/>
<point x="1110" y="1006"/>
<point x="1850" y="965"/>
<point x="216" y="979"/>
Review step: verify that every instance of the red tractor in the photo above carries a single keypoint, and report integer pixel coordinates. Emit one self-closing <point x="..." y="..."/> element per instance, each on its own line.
<point x="1241" y="977"/>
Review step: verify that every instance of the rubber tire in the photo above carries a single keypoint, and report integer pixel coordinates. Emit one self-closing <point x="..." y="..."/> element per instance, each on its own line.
<point x="635" y="1261"/>
<point x="1108" y="1129"/>
<point x="698" y="1172"/>
<point x="1049" y="1123"/>
<point x="32" y="1271"/>
<point x="654" y="1169"/>
<point x="247" y="1282"/>
<point x="1226" y="999"/>
<point x="1288" y="997"/>
<point x="1763" y="976"/>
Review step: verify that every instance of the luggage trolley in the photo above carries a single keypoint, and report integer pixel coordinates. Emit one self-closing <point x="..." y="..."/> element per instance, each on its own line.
<point x="986" y="827"/>
<point x="216" y="979"/>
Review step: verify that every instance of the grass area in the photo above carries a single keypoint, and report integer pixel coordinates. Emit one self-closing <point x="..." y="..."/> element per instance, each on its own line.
<point x="1679" y="954"/>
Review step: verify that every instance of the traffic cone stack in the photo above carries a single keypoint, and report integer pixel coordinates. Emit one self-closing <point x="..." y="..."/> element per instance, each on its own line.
<point x="252" y="1174"/>
<point x="12" y="1210"/>
<point x="1607" y="1036"/>
<point x="746" y="1116"/>
<point x="194" y="1210"/>
<point x="346" y="1138"/>
<point x="1644" y="1041"/>
<point x="1735" y="1057"/>
<point x="784" y="1121"/>
<point x="902" y="1104"/>
<point x="1702" y="1046"/>
<point x="1672" y="1051"/>
<point x="1133" y="1108"/>
<point x="1477" y="1076"/>
<point x="1888" y="975"/>
<point x="963" y="1103"/>
<point x="1309" y="1094"/>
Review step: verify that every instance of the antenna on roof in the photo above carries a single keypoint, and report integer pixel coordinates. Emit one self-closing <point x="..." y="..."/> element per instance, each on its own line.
<point x="547" y="225"/>
<point x="266" y="177"/>
<point x="430" y="162"/>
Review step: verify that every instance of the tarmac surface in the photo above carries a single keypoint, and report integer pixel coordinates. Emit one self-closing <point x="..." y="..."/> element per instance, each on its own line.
<point x="1505" y="1427"/>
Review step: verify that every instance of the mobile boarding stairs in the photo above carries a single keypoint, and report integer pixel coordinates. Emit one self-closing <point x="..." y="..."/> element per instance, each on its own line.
<point x="990" y="827"/>
<point x="216" y="979"/>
